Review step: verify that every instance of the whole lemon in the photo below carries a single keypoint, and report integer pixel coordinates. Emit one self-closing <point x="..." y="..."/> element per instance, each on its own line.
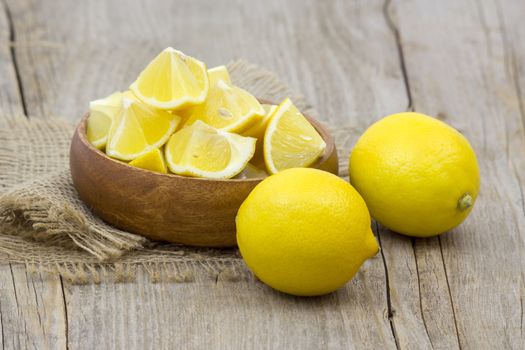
<point x="418" y="175"/>
<point x="305" y="231"/>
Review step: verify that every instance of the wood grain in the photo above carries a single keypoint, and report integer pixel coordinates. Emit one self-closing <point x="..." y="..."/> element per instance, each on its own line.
<point x="244" y="314"/>
<point x="11" y="102"/>
<point x="459" y="72"/>
<point x="460" y="60"/>
<point x="32" y="310"/>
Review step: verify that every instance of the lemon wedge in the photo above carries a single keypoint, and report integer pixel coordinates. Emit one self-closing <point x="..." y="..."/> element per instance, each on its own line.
<point x="137" y="129"/>
<point x="290" y="141"/>
<point x="218" y="73"/>
<point x="259" y="128"/>
<point x="172" y="81"/>
<point x="257" y="131"/>
<point x="203" y="151"/>
<point x="228" y="108"/>
<point x="214" y="75"/>
<point x="101" y="114"/>
<point x="131" y="95"/>
<point x="152" y="160"/>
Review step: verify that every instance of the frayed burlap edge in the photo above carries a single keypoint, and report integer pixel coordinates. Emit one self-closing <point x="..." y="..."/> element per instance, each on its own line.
<point x="161" y="262"/>
<point x="35" y="218"/>
<point x="30" y="228"/>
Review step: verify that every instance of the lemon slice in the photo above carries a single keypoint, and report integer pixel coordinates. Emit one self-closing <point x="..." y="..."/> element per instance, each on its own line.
<point x="138" y="129"/>
<point x="228" y="108"/>
<point x="153" y="160"/>
<point x="172" y="81"/>
<point x="203" y="151"/>
<point x="101" y="114"/>
<point x="290" y="141"/>
<point x="218" y="73"/>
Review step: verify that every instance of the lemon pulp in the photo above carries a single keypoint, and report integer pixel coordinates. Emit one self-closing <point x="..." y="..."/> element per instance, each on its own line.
<point x="172" y="80"/>
<point x="228" y="108"/>
<point x="102" y="112"/>
<point x="137" y="129"/>
<point x="203" y="151"/>
<point x="290" y="141"/>
<point x="152" y="160"/>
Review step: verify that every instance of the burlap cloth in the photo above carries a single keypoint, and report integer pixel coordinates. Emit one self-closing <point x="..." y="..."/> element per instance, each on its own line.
<point x="44" y="225"/>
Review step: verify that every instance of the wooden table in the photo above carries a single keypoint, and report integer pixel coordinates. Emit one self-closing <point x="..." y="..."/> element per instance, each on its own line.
<point x="356" y="61"/>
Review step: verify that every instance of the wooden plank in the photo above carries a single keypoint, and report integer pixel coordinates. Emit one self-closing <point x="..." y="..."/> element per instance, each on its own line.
<point x="32" y="310"/>
<point x="10" y="100"/>
<point x="514" y="43"/>
<point x="342" y="55"/>
<point x="31" y="306"/>
<point x="455" y="58"/>
<point x="421" y="308"/>
<point x="90" y="50"/>
<point x="220" y="314"/>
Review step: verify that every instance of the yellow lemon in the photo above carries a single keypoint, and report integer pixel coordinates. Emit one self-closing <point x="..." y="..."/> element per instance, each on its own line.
<point x="228" y="108"/>
<point x="153" y="160"/>
<point x="101" y="115"/>
<point x="218" y="73"/>
<point x="203" y="151"/>
<point x="137" y="129"/>
<point x="418" y="175"/>
<point x="172" y="80"/>
<point x="290" y="141"/>
<point x="305" y="231"/>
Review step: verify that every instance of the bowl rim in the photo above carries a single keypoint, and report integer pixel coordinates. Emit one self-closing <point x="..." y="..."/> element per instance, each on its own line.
<point x="80" y="130"/>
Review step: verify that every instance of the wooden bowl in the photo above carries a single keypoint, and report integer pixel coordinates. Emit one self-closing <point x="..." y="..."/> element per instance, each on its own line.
<point x="166" y="207"/>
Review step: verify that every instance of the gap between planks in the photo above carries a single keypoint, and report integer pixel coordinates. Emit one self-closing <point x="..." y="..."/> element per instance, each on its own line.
<point x="12" y="48"/>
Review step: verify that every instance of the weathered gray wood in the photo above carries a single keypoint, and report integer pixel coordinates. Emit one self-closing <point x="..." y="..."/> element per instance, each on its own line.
<point x="220" y="314"/>
<point x="32" y="310"/>
<point x="457" y="63"/>
<point x="10" y="100"/>
<point x="89" y="50"/>
<point x="464" y="62"/>
<point x="514" y="42"/>
<point x="32" y="313"/>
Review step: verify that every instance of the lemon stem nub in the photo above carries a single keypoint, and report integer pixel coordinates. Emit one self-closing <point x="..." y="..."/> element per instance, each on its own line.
<point x="465" y="202"/>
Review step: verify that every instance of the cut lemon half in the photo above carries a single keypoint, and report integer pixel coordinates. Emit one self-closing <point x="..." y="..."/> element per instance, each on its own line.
<point x="228" y="108"/>
<point x="152" y="160"/>
<point x="172" y="81"/>
<point x="101" y="115"/>
<point x="138" y="129"/>
<point x="203" y="151"/>
<point x="218" y="73"/>
<point x="290" y="141"/>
